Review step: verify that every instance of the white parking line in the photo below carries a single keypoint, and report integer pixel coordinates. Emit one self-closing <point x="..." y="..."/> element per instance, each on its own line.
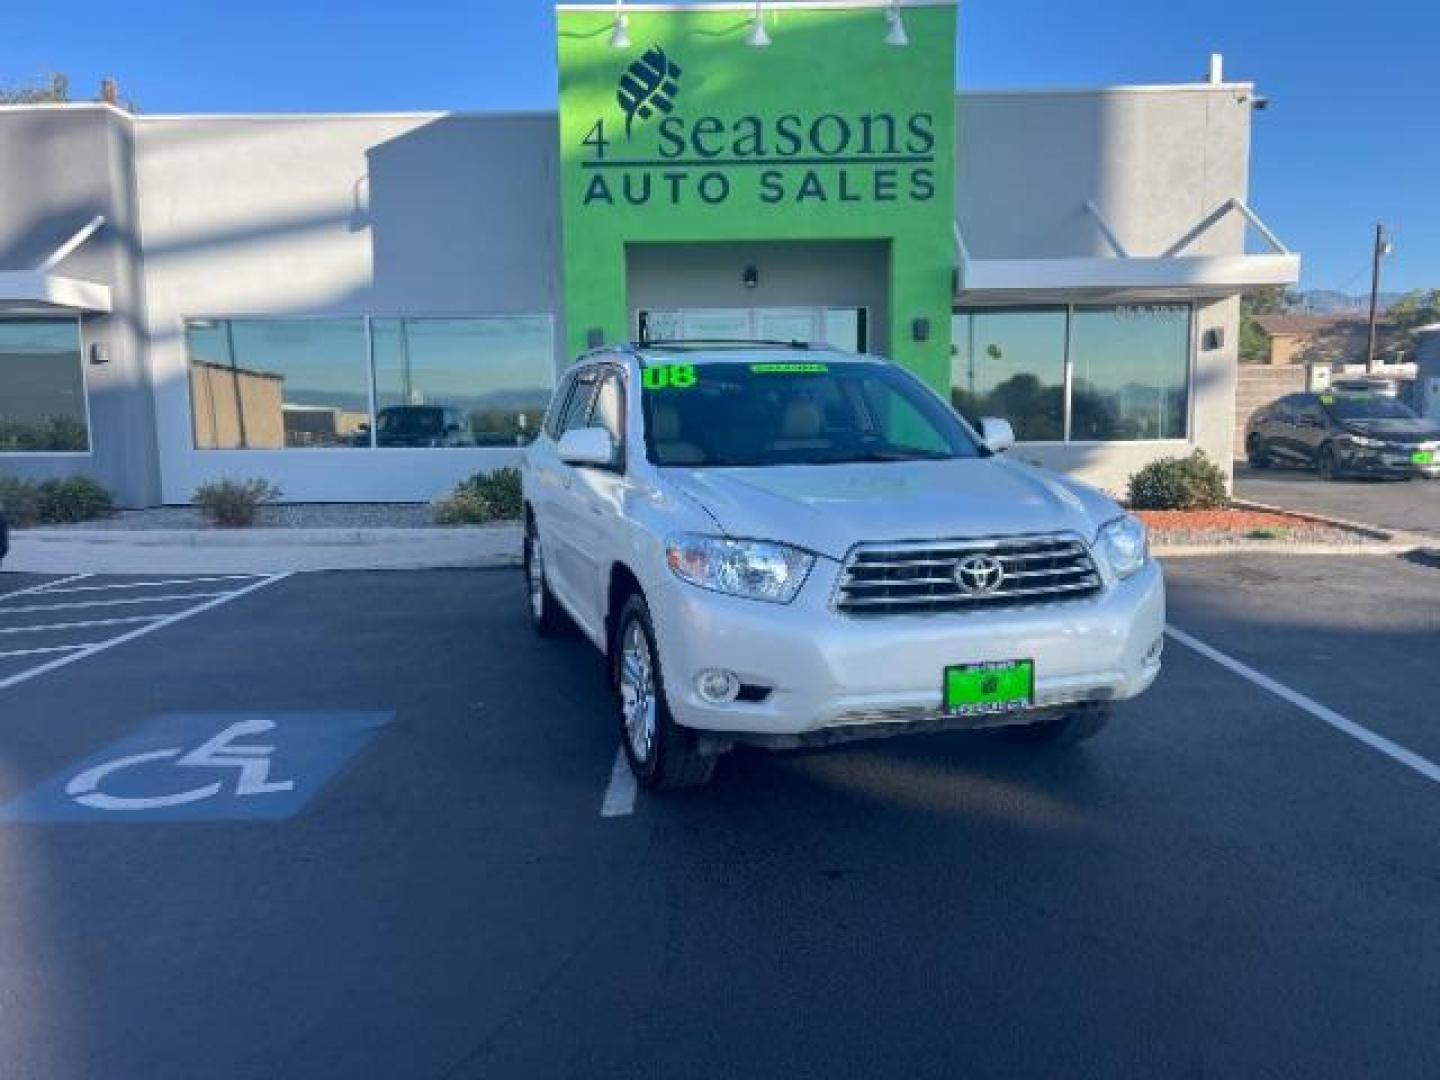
<point x="46" y="649"/>
<point x="83" y="624"/>
<point x="111" y="603"/>
<point x="48" y="589"/>
<point x="1359" y="732"/>
<point x="620" y="793"/>
<point x="153" y="623"/>
<point x="43" y="586"/>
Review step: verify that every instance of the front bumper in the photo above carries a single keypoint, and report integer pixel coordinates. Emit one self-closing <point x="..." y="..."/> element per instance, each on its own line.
<point x="829" y="671"/>
<point x="1387" y="461"/>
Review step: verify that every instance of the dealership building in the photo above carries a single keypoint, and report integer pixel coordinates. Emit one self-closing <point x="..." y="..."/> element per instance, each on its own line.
<point x="370" y="307"/>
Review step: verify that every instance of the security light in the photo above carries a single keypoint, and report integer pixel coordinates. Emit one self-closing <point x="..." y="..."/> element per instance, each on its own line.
<point x="896" y="34"/>
<point x="757" y="38"/>
<point x="620" y="34"/>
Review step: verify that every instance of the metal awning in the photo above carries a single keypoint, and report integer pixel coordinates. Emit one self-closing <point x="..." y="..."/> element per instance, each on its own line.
<point x="43" y="290"/>
<point x="1123" y="277"/>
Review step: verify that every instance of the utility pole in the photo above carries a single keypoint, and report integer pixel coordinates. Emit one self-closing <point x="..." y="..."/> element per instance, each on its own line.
<point x="1382" y="248"/>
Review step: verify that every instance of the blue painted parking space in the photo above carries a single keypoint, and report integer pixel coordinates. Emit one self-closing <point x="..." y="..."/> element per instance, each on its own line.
<point x="206" y="766"/>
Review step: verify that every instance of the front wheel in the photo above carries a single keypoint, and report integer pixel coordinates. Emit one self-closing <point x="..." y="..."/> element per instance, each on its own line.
<point x="1066" y="730"/>
<point x="545" y="614"/>
<point x="662" y="754"/>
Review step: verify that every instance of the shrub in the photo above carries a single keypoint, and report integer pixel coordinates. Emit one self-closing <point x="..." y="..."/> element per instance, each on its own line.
<point x="1189" y="483"/>
<point x="20" y="499"/>
<point x="76" y="498"/>
<point x="53" y="502"/>
<point x="234" y="504"/>
<point x="482" y="498"/>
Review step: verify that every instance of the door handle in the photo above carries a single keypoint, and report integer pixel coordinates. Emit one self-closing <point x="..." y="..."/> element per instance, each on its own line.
<point x="596" y="510"/>
<point x="567" y="483"/>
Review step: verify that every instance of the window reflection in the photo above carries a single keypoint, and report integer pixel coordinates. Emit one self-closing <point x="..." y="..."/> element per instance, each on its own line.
<point x="266" y="384"/>
<point x="42" y="387"/>
<point x="461" y="382"/>
<point x="1011" y="364"/>
<point x="1131" y="372"/>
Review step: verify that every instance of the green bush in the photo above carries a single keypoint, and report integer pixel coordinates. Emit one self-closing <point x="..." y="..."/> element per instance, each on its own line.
<point x="54" y="502"/>
<point x="76" y="498"/>
<point x="1189" y="483"/>
<point x="482" y="498"/>
<point x="234" y="504"/>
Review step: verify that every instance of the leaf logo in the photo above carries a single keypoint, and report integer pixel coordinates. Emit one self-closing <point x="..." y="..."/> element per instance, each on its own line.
<point x="648" y="85"/>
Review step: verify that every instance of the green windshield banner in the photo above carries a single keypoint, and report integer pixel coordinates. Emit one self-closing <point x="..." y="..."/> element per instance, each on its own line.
<point x="691" y="133"/>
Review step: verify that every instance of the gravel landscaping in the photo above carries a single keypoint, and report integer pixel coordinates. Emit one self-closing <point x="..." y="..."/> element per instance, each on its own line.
<point x="1245" y="527"/>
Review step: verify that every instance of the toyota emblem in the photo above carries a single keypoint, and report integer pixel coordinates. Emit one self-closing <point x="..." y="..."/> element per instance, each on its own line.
<point x="977" y="575"/>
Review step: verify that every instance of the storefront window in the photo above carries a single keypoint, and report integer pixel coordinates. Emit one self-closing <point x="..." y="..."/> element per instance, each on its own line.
<point x="42" y="387"/>
<point x="1011" y="364"/>
<point x="1131" y="372"/>
<point x="461" y="382"/>
<point x="269" y="384"/>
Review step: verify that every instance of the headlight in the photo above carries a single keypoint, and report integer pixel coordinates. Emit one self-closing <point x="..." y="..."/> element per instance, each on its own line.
<point x="1364" y="440"/>
<point x="1125" y="545"/>
<point x="753" y="569"/>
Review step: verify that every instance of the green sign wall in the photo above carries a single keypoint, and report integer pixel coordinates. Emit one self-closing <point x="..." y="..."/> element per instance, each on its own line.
<point x="692" y="134"/>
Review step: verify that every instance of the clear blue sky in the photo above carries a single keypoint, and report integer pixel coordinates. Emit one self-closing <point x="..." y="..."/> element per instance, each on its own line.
<point x="1349" y="137"/>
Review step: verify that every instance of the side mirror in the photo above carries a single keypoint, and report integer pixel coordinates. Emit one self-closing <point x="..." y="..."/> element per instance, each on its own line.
<point x="587" y="446"/>
<point x="999" y="436"/>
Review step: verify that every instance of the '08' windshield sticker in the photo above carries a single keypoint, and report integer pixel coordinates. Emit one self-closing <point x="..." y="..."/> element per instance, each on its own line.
<point x="668" y="377"/>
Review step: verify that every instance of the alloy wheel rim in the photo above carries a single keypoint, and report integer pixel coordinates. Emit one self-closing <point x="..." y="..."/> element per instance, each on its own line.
<point x="536" y="566"/>
<point x="637" y="691"/>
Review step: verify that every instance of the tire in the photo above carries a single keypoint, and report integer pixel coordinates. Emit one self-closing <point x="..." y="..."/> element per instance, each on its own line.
<point x="1256" y="452"/>
<point x="662" y="755"/>
<point x="1067" y="730"/>
<point x="546" y="616"/>
<point x="1327" y="464"/>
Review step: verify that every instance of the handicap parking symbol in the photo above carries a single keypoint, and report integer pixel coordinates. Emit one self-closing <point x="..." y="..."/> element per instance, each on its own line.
<point x="204" y="767"/>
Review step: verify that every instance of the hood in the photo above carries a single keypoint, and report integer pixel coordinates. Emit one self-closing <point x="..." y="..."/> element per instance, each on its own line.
<point x="830" y="508"/>
<point x="1402" y="429"/>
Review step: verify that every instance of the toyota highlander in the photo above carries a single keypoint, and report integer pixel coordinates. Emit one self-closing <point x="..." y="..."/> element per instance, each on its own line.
<point x="789" y="546"/>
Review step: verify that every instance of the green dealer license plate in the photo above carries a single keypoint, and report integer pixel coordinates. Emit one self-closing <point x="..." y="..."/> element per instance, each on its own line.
<point x="998" y="686"/>
<point x="1423" y="457"/>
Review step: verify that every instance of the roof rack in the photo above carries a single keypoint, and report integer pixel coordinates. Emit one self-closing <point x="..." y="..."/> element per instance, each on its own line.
<point x="682" y="344"/>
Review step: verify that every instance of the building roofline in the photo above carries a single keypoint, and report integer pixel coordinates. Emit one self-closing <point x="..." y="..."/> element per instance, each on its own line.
<point x="1122" y="88"/>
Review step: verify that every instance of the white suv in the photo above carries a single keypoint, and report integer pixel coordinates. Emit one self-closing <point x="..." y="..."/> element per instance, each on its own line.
<point x="789" y="546"/>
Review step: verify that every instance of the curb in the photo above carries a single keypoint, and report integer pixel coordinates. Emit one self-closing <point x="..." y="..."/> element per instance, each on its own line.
<point x="1279" y="547"/>
<point x="262" y="537"/>
<point x="1374" y="531"/>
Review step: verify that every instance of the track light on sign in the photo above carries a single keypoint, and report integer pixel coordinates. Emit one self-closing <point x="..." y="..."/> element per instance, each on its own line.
<point x="757" y="38"/>
<point x="896" y="34"/>
<point x="620" y="33"/>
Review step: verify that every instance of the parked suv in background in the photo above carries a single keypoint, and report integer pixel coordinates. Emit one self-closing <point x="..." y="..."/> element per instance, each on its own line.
<point x="1344" y="431"/>
<point x="786" y="546"/>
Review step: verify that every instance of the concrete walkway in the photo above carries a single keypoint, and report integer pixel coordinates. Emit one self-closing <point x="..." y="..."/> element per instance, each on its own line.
<point x="259" y="551"/>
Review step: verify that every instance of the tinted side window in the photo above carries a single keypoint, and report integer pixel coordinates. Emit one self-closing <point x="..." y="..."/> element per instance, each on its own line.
<point x="609" y="409"/>
<point x="577" y="409"/>
<point x="557" y="406"/>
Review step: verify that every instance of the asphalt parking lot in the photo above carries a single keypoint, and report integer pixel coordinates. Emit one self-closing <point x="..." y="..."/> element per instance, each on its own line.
<point x="1237" y="879"/>
<point x="1408" y="505"/>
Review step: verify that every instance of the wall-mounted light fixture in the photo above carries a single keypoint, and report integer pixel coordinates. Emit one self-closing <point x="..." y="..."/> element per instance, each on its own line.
<point x="895" y="35"/>
<point x="620" y="32"/>
<point x="594" y="337"/>
<point x="757" y="38"/>
<point x="750" y="276"/>
<point x="99" y="353"/>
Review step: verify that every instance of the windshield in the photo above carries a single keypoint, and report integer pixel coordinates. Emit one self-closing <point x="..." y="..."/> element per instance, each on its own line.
<point x="411" y="420"/>
<point x="1366" y="407"/>
<point x="745" y="414"/>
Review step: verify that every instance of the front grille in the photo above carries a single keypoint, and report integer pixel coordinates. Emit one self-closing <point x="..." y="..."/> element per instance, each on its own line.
<point x="920" y="578"/>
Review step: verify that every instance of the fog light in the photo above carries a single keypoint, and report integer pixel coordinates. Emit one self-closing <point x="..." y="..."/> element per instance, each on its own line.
<point x="1156" y="648"/>
<point x="717" y="686"/>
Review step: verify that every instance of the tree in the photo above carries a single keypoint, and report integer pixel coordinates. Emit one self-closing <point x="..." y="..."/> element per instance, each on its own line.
<point x="54" y="89"/>
<point x="1268" y="300"/>
<point x="1416" y="308"/>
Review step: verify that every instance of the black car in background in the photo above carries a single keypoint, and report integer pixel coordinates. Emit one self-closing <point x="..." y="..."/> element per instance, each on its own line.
<point x="1344" y="432"/>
